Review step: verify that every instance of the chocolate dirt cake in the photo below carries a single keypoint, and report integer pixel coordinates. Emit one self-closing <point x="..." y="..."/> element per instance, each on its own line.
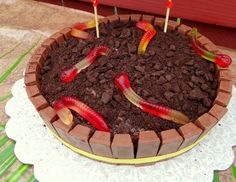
<point x="140" y="92"/>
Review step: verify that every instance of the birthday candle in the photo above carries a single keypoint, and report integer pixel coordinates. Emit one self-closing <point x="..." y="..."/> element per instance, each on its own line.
<point x="62" y="109"/>
<point x="169" y="4"/>
<point x="123" y="83"/>
<point x="95" y="4"/>
<point x="220" y="59"/>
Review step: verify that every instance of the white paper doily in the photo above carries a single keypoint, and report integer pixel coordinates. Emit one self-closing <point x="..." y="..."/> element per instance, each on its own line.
<point x="54" y="162"/>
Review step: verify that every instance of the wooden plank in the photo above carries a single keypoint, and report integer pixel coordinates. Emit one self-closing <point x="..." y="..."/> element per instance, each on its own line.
<point x="214" y="11"/>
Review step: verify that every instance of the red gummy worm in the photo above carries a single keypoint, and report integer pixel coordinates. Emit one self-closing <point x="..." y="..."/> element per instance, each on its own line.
<point x="144" y="25"/>
<point x="123" y="83"/>
<point x="145" y="41"/>
<point x="79" y="34"/>
<point x="69" y="74"/>
<point x="85" y="25"/>
<point x="82" y="109"/>
<point x="219" y="59"/>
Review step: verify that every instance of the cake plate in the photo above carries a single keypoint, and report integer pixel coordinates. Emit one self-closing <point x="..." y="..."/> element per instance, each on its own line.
<point x="55" y="162"/>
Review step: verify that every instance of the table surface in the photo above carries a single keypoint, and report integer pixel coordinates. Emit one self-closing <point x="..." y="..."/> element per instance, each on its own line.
<point x="30" y="20"/>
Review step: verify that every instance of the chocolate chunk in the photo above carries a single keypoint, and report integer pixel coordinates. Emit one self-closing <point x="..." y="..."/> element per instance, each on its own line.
<point x="170" y="54"/>
<point x="115" y="33"/>
<point x="161" y="80"/>
<point x="169" y="64"/>
<point x="109" y="74"/>
<point x="191" y="84"/>
<point x="132" y="48"/>
<point x="152" y="99"/>
<point x="86" y="51"/>
<point x="206" y="102"/>
<point x="168" y="77"/>
<point x="152" y="52"/>
<point x="125" y="33"/>
<point x="92" y="77"/>
<point x="117" y="44"/>
<point x="107" y="96"/>
<point x="199" y="73"/>
<point x="117" y="98"/>
<point x="167" y="86"/>
<point x="172" y="47"/>
<point x="168" y="95"/>
<point x="204" y="87"/>
<point x="201" y="110"/>
<point x="158" y="73"/>
<point x="158" y="66"/>
<point x="133" y="58"/>
<point x="175" y="87"/>
<point x="139" y="81"/>
<point x="190" y="63"/>
<point x="196" y="94"/>
<point x="140" y="68"/>
<point x="145" y="93"/>
<point x="212" y="94"/>
<point x="146" y="55"/>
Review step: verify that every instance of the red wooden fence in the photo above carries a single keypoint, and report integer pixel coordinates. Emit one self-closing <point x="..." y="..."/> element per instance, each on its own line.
<point x="219" y="12"/>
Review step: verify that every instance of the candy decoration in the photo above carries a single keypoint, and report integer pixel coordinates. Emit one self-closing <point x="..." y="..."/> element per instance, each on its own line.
<point x="95" y="4"/>
<point x="123" y="83"/>
<point x="62" y="109"/>
<point x="69" y="74"/>
<point x="219" y="59"/>
<point x="145" y="41"/>
<point x="79" y="34"/>
<point x="144" y="25"/>
<point x="178" y="20"/>
<point x="169" y="4"/>
<point x="85" y="25"/>
<point x="149" y="34"/>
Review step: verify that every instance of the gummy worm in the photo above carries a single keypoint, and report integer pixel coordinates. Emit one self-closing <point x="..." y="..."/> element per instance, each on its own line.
<point x="219" y="59"/>
<point x="123" y="83"/>
<point x="79" y="34"/>
<point x="62" y="109"/>
<point x="69" y="74"/>
<point x="85" y="25"/>
<point x="78" y="30"/>
<point x="144" y="25"/>
<point x="145" y="41"/>
<point x="149" y="34"/>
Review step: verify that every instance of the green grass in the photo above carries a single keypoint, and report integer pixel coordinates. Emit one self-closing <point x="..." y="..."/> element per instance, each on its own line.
<point x="216" y="177"/>
<point x="7" y="164"/>
<point x="3" y="140"/>
<point x="18" y="173"/>
<point x="18" y="61"/>
<point x="3" y="98"/>
<point x="233" y="171"/>
<point x="178" y="20"/>
<point x="9" y="51"/>
<point x="31" y="179"/>
<point x="2" y="127"/>
<point x="9" y="150"/>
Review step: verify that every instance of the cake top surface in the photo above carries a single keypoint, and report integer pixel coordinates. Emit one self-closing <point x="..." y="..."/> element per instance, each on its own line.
<point x="169" y="73"/>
